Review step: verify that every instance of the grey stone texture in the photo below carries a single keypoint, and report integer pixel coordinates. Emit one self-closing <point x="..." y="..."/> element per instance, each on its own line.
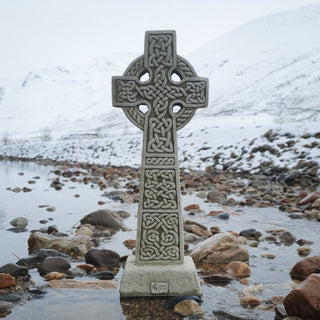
<point x="169" y="106"/>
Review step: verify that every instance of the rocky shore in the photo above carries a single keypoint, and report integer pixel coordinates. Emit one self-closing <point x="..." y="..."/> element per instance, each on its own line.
<point x="222" y="257"/>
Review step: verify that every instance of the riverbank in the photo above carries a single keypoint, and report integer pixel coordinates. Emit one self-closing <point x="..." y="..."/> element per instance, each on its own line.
<point x="219" y="202"/>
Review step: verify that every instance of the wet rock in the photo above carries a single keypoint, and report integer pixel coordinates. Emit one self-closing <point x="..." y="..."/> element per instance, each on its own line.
<point x="190" y="237"/>
<point x="102" y="217"/>
<point x="5" y="306"/>
<point x="73" y="246"/>
<point x="251" y="234"/>
<point x="84" y="231"/>
<point x="197" y="230"/>
<point x="238" y="269"/>
<point x="192" y="207"/>
<point x="267" y="255"/>
<point x="303" y="251"/>
<point x="247" y="299"/>
<point x="51" y="209"/>
<point x="302" y="269"/>
<point x="103" y="275"/>
<point x="39" y="255"/>
<point x="218" y="278"/>
<point x="54" y="264"/>
<point x="17" y="189"/>
<point x="230" y="202"/>
<point x="287" y="238"/>
<point x="127" y="198"/>
<point x="52" y="229"/>
<point x="102" y="258"/>
<point x="171" y="302"/>
<point x="303" y="301"/>
<point x="214" y="213"/>
<point x="216" y="196"/>
<point x="10" y="297"/>
<point x="316" y="204"/>
<point x="220" y="248"/>
<point x="223" y="216"/>
<point x="75" y="284"/>
<point x="123" y="214"/>
<point x="19" y="222"/>
<point x="76" y="272"/>
<point x="14" y="269"/>
<point x="188" y="308"/>
<point x="292" y="175"/>
<point x="130" y="243"/>
<point x="309" y="198"/>
<point x="54" y="276"/>
<point x="6" y="281"/>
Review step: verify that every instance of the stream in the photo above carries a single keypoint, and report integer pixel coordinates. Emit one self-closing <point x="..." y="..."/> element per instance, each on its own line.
<point x="105" y="304"/>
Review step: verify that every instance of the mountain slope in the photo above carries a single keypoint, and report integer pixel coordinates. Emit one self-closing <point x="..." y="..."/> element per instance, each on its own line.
<point x="270" y="65"/>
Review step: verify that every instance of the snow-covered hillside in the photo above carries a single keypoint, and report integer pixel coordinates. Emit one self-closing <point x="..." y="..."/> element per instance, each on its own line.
<point x="270" y="65"/>
<point x="263" y="75"/>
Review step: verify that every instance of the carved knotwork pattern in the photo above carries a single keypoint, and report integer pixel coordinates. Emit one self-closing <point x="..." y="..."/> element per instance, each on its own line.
<point x="160" y="190"/>
<point x="160" y="50"/>
<point x="160" y="237"/>
<point x="159" y="161"/>
<point x="136" y="69"/>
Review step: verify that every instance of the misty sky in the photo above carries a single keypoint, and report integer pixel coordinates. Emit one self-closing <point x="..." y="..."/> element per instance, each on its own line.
<point x="46" y="33"/>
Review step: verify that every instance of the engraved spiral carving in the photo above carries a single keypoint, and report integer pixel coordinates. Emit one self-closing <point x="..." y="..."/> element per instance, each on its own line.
<point x="160" y="237"/>
<point x="160" y="189"/>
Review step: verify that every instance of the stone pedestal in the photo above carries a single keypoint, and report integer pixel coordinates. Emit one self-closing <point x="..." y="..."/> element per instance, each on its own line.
<point x="147" y="280"/>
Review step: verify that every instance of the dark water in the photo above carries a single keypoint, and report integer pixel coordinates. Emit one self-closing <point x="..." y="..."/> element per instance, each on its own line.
<point x="105" y="304"/>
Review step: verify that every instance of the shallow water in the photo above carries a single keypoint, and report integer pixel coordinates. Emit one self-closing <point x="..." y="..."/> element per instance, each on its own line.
<point x="87" y="304"/>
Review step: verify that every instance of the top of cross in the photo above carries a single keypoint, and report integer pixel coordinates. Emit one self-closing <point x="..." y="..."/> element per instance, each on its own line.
<point x="160" y="92"/>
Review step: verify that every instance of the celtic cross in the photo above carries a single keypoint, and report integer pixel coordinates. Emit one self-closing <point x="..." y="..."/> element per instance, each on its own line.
<point x="160" y="227"/>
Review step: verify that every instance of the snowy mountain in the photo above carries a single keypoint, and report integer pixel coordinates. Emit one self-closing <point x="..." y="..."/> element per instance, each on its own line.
<point x="264" y="75"/>
<point x="269" y="65"/>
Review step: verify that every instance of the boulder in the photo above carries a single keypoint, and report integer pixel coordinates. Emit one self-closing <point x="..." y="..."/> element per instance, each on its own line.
<point x="103" y="217"/>
<point x="39" y="255"/>
<point x="238" y="269"/>
<point x="73" y="246"/>
<point x="102" y="258"/>
<point x="14" y="269"/>
<point x="304" y="300"/>
<point x="188" y="308"/>
<point x="54" y="264"/>
<point x="302" y="269"/>
<point x="5" y="306"/>
<point x="220" y="248"/>
<point x="19" y="222"/>
<point x="84" y="231"/>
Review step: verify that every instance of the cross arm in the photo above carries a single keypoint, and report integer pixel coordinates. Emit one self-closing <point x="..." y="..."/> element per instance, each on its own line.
<point x="125" y="92"/>
<point x="191" y="92"/>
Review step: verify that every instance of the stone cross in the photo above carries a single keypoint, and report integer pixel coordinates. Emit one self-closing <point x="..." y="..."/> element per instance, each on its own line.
<point x="169" y="105"/>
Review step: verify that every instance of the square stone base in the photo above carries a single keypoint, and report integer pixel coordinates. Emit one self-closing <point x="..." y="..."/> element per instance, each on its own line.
<point x="149" y="280"/>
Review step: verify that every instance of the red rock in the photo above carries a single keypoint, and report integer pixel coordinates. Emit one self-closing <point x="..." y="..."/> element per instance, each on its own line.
<point x="191" y="207"/>
<point x="215" y="213"/>
<point x="309" y="198"/>
<point x="86" y="266"/>
<point x="6" y="281"/>
<point x="302" y="269"/>
<point x="130" y="243"/>
<point x="238" y="269"/>
<point x="304" y="301"/>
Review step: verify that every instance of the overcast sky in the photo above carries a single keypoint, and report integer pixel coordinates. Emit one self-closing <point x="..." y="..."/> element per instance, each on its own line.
<point x="46" y="33"/>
